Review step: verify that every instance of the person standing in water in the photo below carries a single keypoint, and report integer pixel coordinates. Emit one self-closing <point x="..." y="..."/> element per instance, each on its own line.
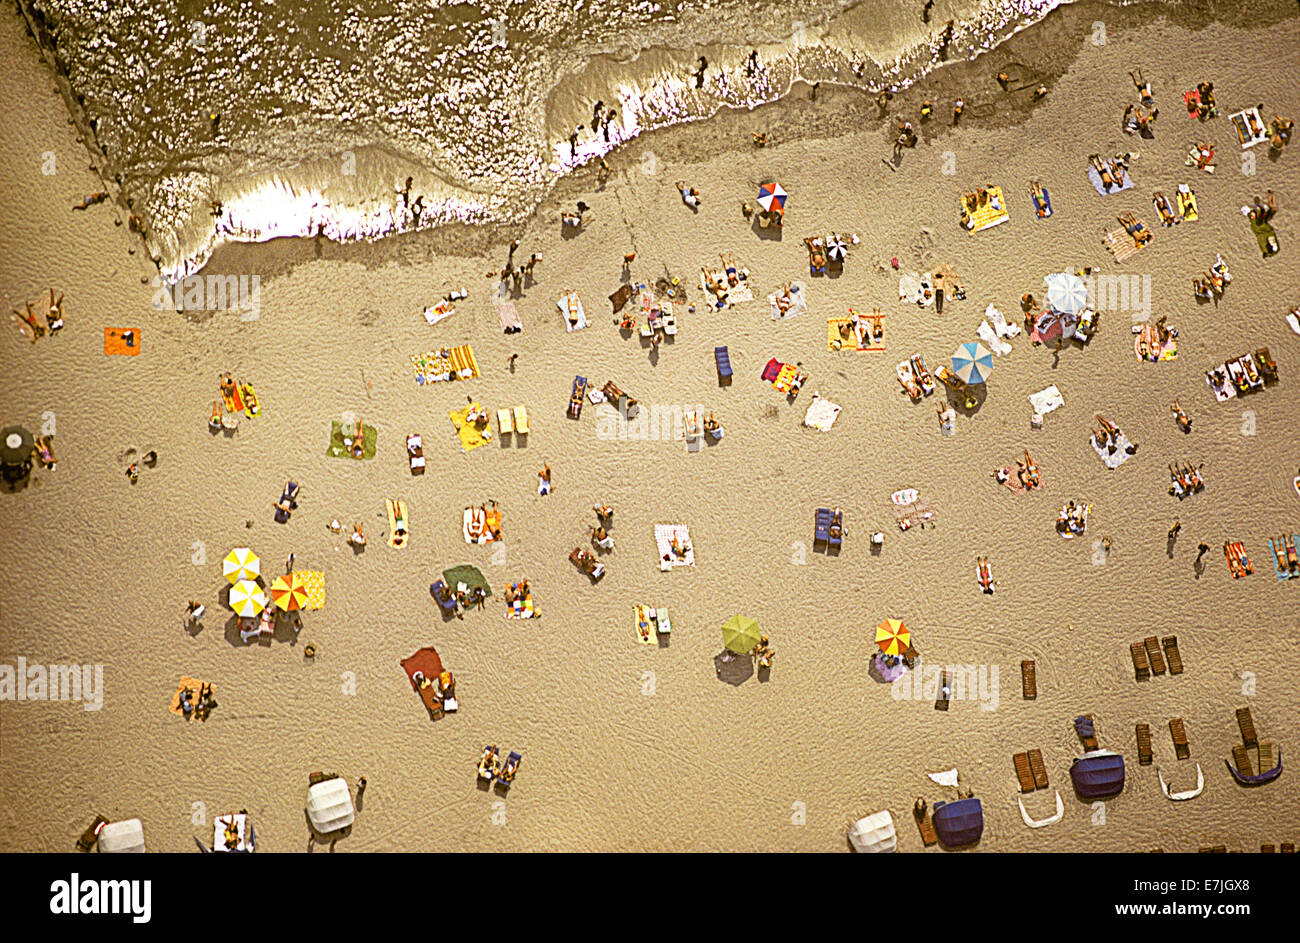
<point x="925" y="11"/>
<point x="699" y="72"/>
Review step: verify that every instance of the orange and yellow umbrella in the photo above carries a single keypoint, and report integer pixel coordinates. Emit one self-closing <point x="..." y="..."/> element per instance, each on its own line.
<point x="289" y="592"/>
<point x="893" y="637"/>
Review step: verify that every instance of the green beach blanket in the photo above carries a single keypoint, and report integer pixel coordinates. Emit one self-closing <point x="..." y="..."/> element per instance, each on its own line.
<point x="337" y="449"/>
<point x="1263" y="233"/>
<point x="469" y="575"/>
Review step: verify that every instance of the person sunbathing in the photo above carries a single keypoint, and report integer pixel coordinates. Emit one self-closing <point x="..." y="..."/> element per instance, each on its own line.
<point x="1102" y="170"/>
<point x="227" y="384"/>
<point x="690" y="195"/>
<point x="600" y="537"/>
<point x="733" y="277"/>
<point x="1201" y="288"/>
<point x="783" y="300"/>
<point x="358" y="539"/>
<point x="603" y="511"/>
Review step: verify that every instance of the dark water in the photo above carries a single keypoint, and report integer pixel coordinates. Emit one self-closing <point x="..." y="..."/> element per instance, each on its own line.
<point x="324" y="108"/>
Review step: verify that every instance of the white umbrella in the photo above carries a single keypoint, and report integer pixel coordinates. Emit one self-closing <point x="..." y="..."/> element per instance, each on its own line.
<point x="1066" y="293"/>
<point x="837" y="250"/>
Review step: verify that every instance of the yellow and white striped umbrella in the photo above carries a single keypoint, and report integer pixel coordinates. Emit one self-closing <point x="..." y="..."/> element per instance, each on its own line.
<point x="247" y="598"/>
<point x="241" y="564"/>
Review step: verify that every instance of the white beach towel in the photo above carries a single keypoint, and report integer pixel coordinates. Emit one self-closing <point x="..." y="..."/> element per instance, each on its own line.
<point x="509" y="317"/>
<point x="1044" y="401"/>
<point x="798" y="306"/>
<point x="947" y="778"/>
<point x="435" y="313"/>
<point x="580" y="315"/>
<point x="1112" y="459"/>
<point x="990" y="337"/>
<point x="821" y="413"/>
<point x="999" y="322"/>
<point x="916" y="288"/>
<point x="740" y="293"/>
<point x="664" y="534"/>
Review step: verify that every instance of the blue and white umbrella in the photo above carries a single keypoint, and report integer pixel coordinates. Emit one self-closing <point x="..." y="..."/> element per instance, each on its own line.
<point x="972" y="362"/>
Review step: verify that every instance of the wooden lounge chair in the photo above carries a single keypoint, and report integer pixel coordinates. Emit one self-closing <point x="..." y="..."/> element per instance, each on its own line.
<point x="1028" y="680"/>
<point x="940" y="701"/>
<point x="1241" y="759"/>
<point x="1145" y="753"/>
<point x="1153" y="655"/>
<point x="1179" y="732"/>
<point x="1141" y="669"/>
<point x="1267" y="757"/>
<point x="1268" y="849"/>
<point x="1247" y="725"/>
<point x="1172" y="655"/>
<point x="1023" y="773"/>
<point x="921" y="812"/>
<point x="1038" y="768"/>
<point x="1288" y="847"/>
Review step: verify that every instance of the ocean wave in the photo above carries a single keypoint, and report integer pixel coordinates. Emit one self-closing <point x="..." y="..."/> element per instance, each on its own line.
<point x="248" y="120"/>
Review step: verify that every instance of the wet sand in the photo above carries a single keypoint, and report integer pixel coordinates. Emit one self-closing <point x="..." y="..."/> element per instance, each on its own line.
<point x="628" y="746"/>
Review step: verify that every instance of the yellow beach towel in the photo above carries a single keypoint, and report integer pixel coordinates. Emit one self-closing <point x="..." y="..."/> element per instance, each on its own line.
<point x="471" y="435"/>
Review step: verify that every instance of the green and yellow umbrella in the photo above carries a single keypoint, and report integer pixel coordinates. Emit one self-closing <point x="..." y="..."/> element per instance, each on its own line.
<point x="241" y="564"/>
<point x="290" y="592"/>
<point x="740" y="634"/>
<point x="893" y="637"/>
<point x="247" y="598"/>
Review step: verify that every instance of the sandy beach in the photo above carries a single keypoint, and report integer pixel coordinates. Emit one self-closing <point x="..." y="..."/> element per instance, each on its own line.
<point x="634" y="747"/>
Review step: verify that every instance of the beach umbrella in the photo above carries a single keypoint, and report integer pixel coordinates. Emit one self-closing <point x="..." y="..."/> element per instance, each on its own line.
<point x="772" y="198"/>
<point x="837" y="250"/>
<point x="290" y="592"/>
<point x="972" y="362"/>
<point x="16" y="445"/>
<point x="740" y="634"/>
<point x="247" y="598"/>
<point x="1066" y="292"/>
<point x="241" y="564"/>
<point x="893" y="637"/>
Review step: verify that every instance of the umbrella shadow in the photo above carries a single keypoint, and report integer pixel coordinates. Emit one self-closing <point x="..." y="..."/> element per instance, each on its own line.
<point x="734" y="670"/>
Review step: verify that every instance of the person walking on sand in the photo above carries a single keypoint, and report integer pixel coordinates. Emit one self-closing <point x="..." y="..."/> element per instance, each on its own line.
<point x="544" y="480"/>
<point x="510" y="362"/>
<point x="1173" y="531"/>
